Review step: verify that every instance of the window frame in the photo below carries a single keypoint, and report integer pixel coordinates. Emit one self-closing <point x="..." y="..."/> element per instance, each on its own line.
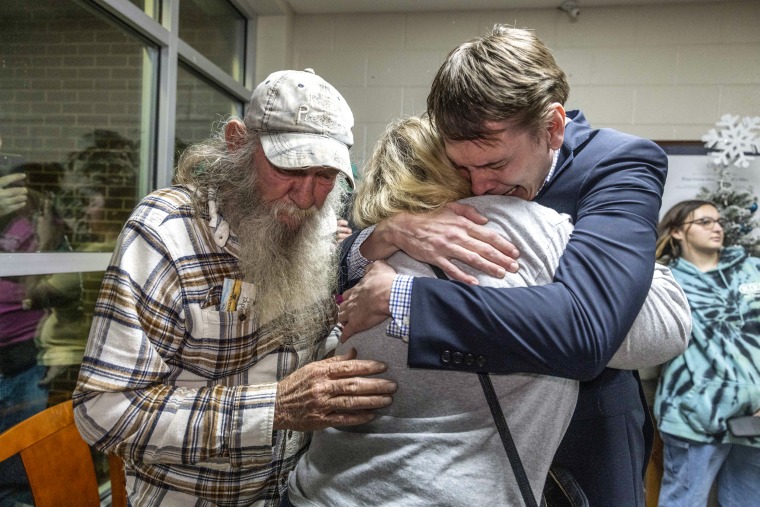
<point x="160" y="134"/>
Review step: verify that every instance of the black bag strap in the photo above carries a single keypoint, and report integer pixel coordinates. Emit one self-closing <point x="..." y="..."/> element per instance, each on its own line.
<point x="506" y="439"/>
<point x="501" y="424"/>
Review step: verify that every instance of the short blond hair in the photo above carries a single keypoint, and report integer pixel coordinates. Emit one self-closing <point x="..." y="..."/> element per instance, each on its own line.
<point x="407" y="171"/>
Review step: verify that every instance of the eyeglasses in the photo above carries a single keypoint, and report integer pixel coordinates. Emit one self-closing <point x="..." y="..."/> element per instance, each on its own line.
<point x="708" y="223"/>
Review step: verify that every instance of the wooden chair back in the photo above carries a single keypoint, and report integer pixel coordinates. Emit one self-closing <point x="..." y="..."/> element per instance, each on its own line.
<point x="58" y="462"/>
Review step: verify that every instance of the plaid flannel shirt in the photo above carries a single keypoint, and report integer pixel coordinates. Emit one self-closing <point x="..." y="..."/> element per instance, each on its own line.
<point x="184" y="392"/>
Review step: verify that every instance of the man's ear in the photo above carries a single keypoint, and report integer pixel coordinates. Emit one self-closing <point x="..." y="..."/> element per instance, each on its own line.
<point x="235" y="134"/>
<point x="556" y="126"/>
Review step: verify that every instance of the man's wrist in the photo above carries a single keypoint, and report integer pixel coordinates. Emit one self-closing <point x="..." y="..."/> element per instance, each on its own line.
<point x="357" y="263"/>
<point x="380" y="244"/>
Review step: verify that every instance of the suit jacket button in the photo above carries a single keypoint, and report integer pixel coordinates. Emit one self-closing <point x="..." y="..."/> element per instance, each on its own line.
<point x="469" y="359"/>
<point x="481" y="361"/>
<point x="445" y="356"/>
<point x="458" y="357"/>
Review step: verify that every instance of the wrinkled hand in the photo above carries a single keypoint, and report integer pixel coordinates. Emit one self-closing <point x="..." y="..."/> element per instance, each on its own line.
<point x="343" y="231"/>
<point x="455" y="232"/>
<point x="331" y="392"/>
<point x="367" y="303"/>
<point x="12" y="198"/>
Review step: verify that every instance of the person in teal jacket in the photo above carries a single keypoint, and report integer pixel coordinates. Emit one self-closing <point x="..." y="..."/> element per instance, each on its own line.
<point x="718" y="376"/>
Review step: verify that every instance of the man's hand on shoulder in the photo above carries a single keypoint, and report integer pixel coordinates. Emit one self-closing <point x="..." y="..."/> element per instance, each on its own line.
<point x="457" y="231"/>
<point x="332" y="392"/>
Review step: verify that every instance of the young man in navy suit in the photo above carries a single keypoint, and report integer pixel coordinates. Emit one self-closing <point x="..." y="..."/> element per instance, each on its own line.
<point x="498" y="103"/>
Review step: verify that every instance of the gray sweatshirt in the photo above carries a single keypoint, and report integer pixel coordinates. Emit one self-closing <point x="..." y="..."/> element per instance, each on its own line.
<point x="437" y="443"/>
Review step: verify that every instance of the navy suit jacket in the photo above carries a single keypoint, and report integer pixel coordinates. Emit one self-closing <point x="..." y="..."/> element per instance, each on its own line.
<point x="611" y="184"/>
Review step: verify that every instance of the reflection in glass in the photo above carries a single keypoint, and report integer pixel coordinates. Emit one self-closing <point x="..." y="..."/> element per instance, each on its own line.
<point x="107" y="170"/>
<point x="149" y="7"/>
<point x="217" y="30"/>
<point x="72" y="122"/>
<point x="199" y="105"/>
<point x="21" y="392"/>
<point x="74" y="110"/>
<point x="44" y="323"/>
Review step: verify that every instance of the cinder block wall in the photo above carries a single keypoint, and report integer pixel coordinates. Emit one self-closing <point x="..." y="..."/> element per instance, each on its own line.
<point x="665" y="72"/>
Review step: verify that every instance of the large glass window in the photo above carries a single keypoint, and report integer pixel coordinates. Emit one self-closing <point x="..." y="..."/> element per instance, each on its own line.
<point x="77" y="104"/>
<point x="72" y="104"/>
<point x="149" y="7"/>
<point x="83" y="136"/>
<point x="200" y="106"/>
<point x="217" y="30"/>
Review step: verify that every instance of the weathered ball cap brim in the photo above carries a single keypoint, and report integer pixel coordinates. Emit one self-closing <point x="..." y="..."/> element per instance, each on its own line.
<point x="297" y="150"/>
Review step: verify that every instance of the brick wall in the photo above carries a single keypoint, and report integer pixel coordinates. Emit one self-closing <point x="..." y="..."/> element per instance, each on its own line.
<point x="665" y="71"/>
<point x="72" y="93"/>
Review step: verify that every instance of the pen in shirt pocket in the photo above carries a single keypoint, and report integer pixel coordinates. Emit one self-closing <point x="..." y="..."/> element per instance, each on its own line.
<point x="237" y="295"/>
<point x="213" y="297"/>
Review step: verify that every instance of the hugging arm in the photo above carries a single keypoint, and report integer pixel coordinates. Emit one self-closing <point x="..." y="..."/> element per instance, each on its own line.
<point x="456" y="231"/>
<point x="574" y="326"/>
<point x="662" y="329"/>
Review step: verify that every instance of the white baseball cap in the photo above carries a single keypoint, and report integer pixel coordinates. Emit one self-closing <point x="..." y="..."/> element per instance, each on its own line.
<point x="302" y="121"/>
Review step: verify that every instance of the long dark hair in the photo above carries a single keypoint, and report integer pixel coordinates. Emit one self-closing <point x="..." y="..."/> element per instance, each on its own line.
<point x="668" y="249"/>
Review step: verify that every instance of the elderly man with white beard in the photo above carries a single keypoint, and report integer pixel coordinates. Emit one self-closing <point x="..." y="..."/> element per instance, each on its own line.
<point x="202" y="367"/>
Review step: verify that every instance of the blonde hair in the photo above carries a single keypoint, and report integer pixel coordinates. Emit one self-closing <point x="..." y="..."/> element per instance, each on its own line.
<point x="407" y="171"/>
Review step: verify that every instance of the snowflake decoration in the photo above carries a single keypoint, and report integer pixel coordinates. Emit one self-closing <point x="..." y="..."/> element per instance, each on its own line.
<point x="733" y="140"/>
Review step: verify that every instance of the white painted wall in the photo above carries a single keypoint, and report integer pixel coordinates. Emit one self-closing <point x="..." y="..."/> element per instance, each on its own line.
<point x="665" y="72"/>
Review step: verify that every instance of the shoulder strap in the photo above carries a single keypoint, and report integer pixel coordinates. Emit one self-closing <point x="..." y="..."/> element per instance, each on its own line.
<point x="501" y="425"/>
<point x="506" y="440"/>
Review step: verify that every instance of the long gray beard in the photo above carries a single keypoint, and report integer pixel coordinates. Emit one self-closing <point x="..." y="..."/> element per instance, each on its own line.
<point x="294" y="271"/>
